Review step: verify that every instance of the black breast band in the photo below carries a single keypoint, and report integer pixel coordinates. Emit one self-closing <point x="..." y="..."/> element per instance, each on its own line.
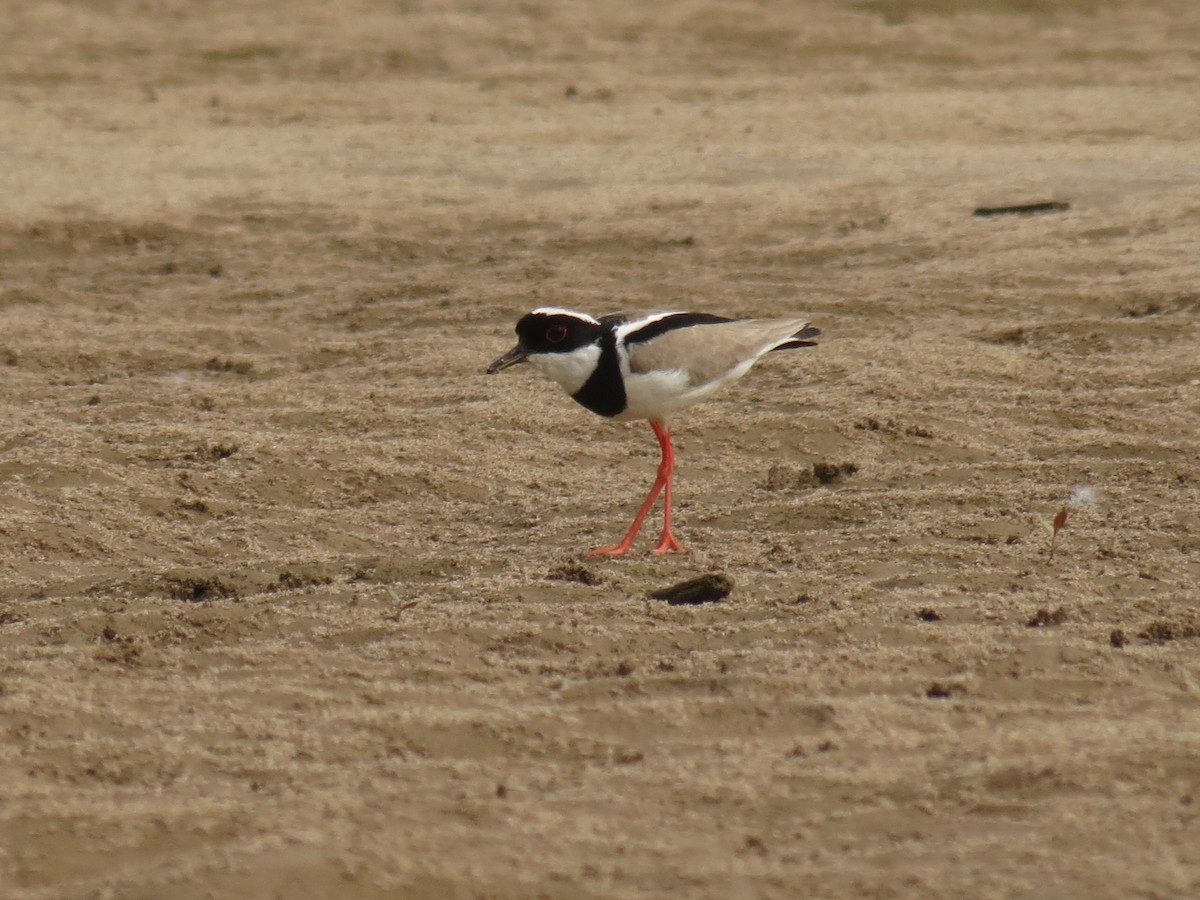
<point x="604" y="391"/>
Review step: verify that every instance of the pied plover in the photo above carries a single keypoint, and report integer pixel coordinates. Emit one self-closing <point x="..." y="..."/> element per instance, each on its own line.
<point x="647" y="367"/>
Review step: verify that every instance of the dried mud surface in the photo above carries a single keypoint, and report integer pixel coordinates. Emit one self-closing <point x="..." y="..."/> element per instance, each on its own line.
<point x="291" y="597"/>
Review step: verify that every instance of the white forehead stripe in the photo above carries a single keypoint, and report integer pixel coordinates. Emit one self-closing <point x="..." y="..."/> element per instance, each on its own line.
<point x="559" y="311"/>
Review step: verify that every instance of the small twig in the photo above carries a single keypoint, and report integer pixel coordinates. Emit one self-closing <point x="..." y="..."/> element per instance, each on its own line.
<point x="1023" y="209"/>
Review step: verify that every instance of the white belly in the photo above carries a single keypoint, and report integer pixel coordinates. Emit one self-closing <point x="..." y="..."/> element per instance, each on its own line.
<point x="657" y="395"/>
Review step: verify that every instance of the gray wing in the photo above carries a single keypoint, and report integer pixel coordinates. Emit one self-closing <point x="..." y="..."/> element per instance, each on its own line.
<point x="706" y="352"/>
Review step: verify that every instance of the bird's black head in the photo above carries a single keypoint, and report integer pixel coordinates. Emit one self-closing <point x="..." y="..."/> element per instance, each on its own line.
<point x="556" y="331"/>
<point x="550" y="330"/>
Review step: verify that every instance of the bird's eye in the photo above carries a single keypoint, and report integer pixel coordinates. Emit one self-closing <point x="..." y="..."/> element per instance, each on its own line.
<point x="556" y="334"/>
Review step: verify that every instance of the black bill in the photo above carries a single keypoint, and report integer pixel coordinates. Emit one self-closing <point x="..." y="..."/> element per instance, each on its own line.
<point x="516" y="355"/>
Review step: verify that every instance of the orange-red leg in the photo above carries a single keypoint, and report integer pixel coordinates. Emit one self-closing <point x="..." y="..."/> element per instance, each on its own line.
<point x="667" y="542"/>
<point x="662" y="484"/>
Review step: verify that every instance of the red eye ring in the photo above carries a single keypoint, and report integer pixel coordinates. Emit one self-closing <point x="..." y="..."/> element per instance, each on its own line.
<point x="556" y="334"/>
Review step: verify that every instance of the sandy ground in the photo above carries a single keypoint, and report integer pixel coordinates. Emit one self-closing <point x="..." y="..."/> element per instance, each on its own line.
<point x="291" y="598"/>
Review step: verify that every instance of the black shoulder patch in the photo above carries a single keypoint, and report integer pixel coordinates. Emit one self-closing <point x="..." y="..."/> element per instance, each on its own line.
<point x="604" y="391"/>
<point x="670" y="323"/>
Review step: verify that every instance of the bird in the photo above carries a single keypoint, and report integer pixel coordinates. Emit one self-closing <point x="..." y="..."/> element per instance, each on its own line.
<point x="630" y="367"/>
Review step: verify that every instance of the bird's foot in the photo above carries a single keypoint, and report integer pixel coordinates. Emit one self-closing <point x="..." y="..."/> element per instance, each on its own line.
<point x="668" y="544"/>
<point x="614" y="551"/>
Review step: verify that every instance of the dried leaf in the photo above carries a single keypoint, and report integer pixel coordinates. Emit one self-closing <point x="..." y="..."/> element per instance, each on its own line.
<point x="1059" y="522"/>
